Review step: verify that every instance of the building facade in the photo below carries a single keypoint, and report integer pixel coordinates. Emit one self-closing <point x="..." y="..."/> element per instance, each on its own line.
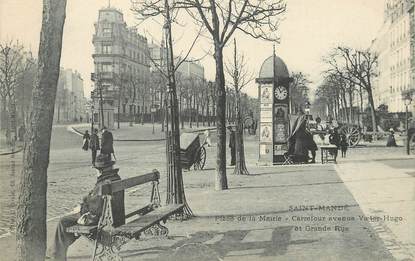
<point x="70" y="99"/>
<point x="188" y="73"/>
<point x="395" y="48"/>
<point x="122" y="69"/>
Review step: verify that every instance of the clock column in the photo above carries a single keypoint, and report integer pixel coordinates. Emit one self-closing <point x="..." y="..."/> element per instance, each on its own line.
<point x="280" y="118"/>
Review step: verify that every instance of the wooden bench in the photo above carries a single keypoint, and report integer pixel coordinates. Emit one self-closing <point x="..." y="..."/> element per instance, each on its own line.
<point x="146" y="220"/>
<point x="328" y="153"/>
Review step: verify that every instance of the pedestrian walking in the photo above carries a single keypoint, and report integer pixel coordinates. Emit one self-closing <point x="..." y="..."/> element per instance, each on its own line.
<point x="85" y="139"/>
<point x="107" y="141"/>
<point x="391" y="139"/>
<point x="94" y="145"/>
<point x="21" y="132"/>
<point x="89" y="211"/>
<point x="232" y="145"/>
<point x="343" y="145"/>
<point x="207" y="138"/>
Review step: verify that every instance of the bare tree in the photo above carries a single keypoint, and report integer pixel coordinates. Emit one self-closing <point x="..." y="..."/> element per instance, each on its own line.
<point x="31" y="203"/>
<point x="221" y="19"/>
<point x="238" y="72"/>
<point x="358" y="67"/>
<point x="152" y="8"/>
<point x="299" y="91"/>
<point x="11" y="69"/>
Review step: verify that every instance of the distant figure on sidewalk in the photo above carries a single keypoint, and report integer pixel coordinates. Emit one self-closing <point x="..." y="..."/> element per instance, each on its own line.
<point x="334" y="139"/>
<point x="94" y="145"/>
<point x="343" y="145"/>
<point x="207" y="138"/>
<point x="232" y="145"/>
<point x="391" y="139"/>
<point x="21" y="132"/>
<point x="89" y="211"/>
<point x="86" y="139"/>
<point x="107" y="147"/>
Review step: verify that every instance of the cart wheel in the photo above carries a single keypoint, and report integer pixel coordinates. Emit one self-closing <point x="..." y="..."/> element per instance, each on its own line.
<point x="200" y="159"/>
<point x="412" y="144"/>
<point x="352" y="134"/>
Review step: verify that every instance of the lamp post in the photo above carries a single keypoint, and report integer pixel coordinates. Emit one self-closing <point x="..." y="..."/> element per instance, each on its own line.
<point x="407" y="100"/>
<point x="153" y="109"/>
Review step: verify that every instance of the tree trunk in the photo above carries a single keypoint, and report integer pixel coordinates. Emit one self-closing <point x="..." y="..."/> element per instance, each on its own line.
<point x="190" y="113"/>
<point x="372" y="111"/>
<point x="142" y="111"/>
<point x="221" y="181"/>
<point x="175" y="187"/>
<point x="351" y="107"/>
<point x="3" y="114"/>
<point x="118" y="115"/>
<point x="361" y="103"/>
<point x="197" y="115"/>
<point x="344" y="103"/>
<point x="31" y="204"/>
<point x="207" y="112"/>
<point x="240" y="167"/>
<point x="162" y="117"/>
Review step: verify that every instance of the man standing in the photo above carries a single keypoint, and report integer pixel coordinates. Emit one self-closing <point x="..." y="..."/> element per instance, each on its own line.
<point x="232" y="144"/>
<point x="89" y="211"/>
<point x="107" y="142"/>
<point x="94" y="145"/>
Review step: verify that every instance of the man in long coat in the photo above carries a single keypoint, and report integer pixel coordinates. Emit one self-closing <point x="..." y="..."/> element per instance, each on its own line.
<point x="94" y="145"/>
<point x="90" y="209"/>
<point x="107" y="141"/>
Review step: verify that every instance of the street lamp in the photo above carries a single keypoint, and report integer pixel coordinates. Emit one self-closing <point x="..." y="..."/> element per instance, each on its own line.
<point x="407" y="100"/>
<point x="153" y="109"/>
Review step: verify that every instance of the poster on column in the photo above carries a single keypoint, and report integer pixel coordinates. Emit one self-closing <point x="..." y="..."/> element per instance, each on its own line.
<point x="266" y="115"/>
<point x="280" y="123"/>
<point x="265" y="132"/>
<point x="266" y="94"/>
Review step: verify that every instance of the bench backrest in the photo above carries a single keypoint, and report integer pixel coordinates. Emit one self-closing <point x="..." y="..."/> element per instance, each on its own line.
<point x="121" y="185"/>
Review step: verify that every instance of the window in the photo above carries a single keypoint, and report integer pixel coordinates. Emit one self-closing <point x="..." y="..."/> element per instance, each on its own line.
<point x="107" y="67"/>
<point x="106" y="49"/>
<point x="107" y="31"/>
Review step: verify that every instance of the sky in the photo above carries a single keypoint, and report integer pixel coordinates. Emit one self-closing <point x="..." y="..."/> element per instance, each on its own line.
<point x="308" y="30"/>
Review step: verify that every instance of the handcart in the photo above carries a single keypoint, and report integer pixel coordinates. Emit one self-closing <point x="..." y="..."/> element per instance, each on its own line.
<point x="191" y="152"/>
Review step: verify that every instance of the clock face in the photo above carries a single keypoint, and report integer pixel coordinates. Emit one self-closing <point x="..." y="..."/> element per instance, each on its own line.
<point x="281" y="93"/>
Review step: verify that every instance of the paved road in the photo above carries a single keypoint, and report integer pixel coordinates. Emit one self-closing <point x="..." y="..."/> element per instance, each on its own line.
<point x="70" y="174"/>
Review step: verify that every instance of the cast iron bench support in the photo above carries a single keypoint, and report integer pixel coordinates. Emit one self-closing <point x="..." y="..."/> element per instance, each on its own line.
<point x="109" y="239"/>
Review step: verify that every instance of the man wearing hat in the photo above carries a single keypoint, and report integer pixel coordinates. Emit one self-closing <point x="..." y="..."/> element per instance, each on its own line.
<point x="90" y="210"/>
<point x="107" y="141"/>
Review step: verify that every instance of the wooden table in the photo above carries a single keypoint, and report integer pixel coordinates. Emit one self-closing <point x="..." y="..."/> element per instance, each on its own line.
<point x="328" y="153"/>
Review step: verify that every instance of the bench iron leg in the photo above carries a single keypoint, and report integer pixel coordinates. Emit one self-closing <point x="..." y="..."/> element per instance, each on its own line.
<point x="157" y="230"/>
<point x="106" y="253"/>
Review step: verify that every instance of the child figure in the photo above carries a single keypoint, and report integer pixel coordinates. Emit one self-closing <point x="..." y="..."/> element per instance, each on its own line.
<point x="343" y="145"/>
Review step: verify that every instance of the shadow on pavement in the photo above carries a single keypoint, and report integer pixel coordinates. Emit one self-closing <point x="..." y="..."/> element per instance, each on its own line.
<point x="214" y="245"/>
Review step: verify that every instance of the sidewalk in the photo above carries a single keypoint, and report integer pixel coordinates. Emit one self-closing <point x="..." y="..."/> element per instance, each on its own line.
<point x="261" y="217"/>
<point x="387" y="195"/>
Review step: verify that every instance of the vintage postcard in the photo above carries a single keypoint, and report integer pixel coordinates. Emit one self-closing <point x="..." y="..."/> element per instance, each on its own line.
<point x="207" y="130"/>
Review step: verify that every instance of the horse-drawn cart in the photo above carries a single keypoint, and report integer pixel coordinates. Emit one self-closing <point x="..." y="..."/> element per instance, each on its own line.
<point x="191" y="152"/>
